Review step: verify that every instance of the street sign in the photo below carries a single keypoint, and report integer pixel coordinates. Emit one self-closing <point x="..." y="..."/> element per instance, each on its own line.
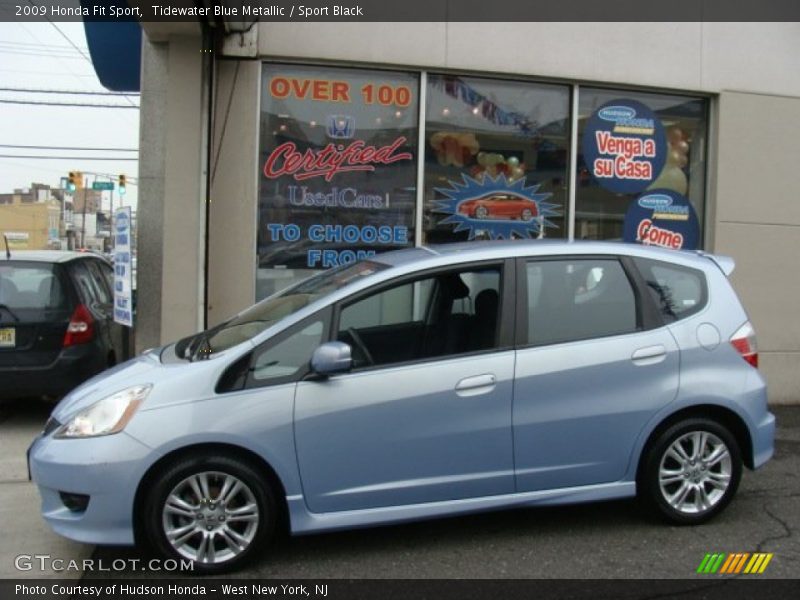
<point x="103" y="185"/>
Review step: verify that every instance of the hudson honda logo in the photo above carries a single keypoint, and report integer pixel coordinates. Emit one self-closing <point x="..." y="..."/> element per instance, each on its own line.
<point x="655" y="201"/>
<point x="625" y="119"/>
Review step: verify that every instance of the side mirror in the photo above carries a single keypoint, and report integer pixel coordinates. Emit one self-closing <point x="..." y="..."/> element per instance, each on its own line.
<point x="332" y="358"/>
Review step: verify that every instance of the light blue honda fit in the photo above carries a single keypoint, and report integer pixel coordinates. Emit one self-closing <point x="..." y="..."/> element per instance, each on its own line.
<point x="420" y="383"/>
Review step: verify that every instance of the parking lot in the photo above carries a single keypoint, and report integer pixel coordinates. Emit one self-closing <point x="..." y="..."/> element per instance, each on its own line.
<point x="611" y="540"/>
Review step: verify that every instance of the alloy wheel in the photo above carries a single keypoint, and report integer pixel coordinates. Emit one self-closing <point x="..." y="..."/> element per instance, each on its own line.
<point x="695" y="472"/>
<point x="210" y="517"/>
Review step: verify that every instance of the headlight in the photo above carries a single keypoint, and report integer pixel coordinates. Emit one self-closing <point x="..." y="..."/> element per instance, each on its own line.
<point x="107" y="416"/>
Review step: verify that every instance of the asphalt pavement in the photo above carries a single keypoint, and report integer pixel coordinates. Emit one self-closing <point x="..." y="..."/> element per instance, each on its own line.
<point x="607" y="540"/>
<point x="24" y="532"/>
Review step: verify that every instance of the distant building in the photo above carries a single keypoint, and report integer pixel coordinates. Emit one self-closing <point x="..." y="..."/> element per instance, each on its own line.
<point x="31" y="225"/>
<point x="92" y="199"/>
<point x="41" y="217"/>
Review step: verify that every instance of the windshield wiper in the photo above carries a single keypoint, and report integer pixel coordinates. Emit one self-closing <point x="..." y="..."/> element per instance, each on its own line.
<point x="200" y="348"/>
<point x="11" y="312"/>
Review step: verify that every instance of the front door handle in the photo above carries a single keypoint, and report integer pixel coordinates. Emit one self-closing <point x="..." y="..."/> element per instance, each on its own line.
<point x="649" y="355"/>
<point x="479" y="384"/>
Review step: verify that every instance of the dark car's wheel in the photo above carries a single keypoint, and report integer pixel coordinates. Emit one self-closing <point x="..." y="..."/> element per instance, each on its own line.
<point x="527" y="214"/>
<point x="481" y="212"/>
<point x="213" y="510"/>
<point x="692" y="471"/>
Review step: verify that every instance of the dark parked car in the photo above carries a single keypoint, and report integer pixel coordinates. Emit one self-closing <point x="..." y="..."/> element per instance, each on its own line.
<point x="56" y="321"/>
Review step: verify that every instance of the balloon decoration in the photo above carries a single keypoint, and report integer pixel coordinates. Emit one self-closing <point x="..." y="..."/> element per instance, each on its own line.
<point x="494" y="164"/>
<point x="454" y="148"/>
<point x="672" y="176"/>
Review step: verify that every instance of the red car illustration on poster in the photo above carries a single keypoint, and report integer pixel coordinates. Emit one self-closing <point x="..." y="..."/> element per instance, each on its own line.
<point x="496" y="205"/>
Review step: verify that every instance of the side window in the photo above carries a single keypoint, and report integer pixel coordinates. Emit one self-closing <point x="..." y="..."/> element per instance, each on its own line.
<point x="578" y="299"/>
<point x="108" y="275"/>
<point x="677" y="291"/>
<point x="84" y="282"/>
<point x="99" y="281"/>
<point x="448" y="313"/>
<point x="288" y="356"/>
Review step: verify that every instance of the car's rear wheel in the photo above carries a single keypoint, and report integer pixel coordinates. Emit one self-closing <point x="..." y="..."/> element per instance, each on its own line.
<point x="527" y="214"/>
<point x="215" y="511"/>
<point x="692" y="471"/>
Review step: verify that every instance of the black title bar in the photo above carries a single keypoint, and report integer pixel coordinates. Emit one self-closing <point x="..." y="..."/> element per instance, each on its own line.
<point x="216" y="11"/>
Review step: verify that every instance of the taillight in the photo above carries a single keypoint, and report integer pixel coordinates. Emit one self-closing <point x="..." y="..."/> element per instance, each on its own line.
<point x="744" y="340"/>
<point x="81" y="327"/>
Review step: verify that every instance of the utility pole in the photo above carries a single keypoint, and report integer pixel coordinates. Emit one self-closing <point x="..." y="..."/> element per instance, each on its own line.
<point x="83" y="218"/>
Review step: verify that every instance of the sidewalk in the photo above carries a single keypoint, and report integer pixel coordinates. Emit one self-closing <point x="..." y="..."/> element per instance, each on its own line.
<point x="24" y="531"/>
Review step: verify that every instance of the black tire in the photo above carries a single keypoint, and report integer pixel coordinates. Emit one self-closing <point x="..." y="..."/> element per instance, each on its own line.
<point x="696" y="494"/>
<point x="222" y="528"/>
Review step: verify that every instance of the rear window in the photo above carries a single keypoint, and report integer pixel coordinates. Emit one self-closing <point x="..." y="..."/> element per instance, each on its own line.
<point x="30" y="285"/>
<point x="677" y="291"/>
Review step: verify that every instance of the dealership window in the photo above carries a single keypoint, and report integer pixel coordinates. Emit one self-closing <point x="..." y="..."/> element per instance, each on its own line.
<point x="496" y="159"/>
<point x="344" y="174"/>
<point x="641" y="167"/>
<point x="338" y="161"/>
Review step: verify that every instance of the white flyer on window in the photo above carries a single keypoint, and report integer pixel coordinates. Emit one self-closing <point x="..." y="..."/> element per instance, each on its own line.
<point x="123" y="262"/>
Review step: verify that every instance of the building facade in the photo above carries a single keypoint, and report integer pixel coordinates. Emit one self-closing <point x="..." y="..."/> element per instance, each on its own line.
<point x="300" y="146"/>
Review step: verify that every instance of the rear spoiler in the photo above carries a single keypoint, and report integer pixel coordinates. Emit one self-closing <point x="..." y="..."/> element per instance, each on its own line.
<point x="725" y="263"/>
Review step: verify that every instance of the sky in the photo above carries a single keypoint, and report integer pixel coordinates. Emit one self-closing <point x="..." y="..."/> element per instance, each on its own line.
<point x="39" y="56"/>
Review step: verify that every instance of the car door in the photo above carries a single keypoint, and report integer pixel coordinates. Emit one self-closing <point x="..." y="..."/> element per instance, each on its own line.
<point x="419" y="418"/>
<point x="592" y="368"/>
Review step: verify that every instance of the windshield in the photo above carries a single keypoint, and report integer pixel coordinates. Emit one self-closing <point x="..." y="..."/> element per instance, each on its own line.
<point x="258" y="317"/>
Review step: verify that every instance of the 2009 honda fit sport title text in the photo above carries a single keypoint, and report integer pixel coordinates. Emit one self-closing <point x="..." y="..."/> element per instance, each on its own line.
<point x="419" y="383"/>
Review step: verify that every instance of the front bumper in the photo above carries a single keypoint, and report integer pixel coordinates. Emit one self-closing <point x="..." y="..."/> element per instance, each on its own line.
<point x="106" y="468"/>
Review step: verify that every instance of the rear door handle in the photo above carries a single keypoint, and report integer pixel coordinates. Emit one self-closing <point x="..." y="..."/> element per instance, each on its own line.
<point x="649" y="355"/>
<point x="479" y="384"/>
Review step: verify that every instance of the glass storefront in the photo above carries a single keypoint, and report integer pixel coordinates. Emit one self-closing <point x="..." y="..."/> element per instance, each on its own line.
<point x="496" y="159"/>
<point x="342" y="152"/>
<point x="605" y="199"/>
<point x="338" y="154"/>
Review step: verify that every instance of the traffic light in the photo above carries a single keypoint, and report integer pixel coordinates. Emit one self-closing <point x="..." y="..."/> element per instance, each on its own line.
<point x="122" y="185"/>
<point x="72" y="182"/>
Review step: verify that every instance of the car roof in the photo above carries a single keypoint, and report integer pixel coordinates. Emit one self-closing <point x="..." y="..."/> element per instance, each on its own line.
<point x="47" y="256"/>
<point x="496" y="249"/>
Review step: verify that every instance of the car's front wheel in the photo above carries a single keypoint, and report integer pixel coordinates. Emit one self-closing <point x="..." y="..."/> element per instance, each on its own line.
<point x="215" y="511"/>
<point x="692" y="471"/>
<point x="481" y="212"/>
